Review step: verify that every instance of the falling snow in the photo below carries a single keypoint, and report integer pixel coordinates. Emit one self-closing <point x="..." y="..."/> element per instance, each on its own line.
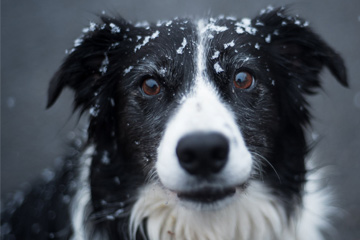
<point x="10" y="102"/>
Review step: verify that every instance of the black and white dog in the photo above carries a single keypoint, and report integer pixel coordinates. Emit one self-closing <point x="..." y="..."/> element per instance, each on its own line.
<point x="196" y="132"/>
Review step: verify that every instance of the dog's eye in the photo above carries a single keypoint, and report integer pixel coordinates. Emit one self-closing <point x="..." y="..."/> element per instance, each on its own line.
<point x="244" y="80"/>
<point x="150" y="87"/>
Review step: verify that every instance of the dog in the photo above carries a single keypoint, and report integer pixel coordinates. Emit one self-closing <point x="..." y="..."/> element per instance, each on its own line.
<point x="196" y="131"/>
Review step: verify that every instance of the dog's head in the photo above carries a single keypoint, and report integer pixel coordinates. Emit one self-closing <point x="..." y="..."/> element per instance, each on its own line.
<point x="199" y="108"/>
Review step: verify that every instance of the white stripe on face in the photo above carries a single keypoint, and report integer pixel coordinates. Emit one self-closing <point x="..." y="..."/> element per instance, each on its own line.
<point x="202" y="111"/>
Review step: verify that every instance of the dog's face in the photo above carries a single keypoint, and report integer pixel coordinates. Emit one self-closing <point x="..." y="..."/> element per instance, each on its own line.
<point x="200" y="108"/>
<point x="189" y="103"/>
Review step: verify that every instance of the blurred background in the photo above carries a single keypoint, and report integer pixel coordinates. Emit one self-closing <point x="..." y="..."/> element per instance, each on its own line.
<point x="36" y="33"/>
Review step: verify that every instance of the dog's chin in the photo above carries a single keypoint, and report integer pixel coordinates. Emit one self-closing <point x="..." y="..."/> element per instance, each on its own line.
<point x="209" y="198"/>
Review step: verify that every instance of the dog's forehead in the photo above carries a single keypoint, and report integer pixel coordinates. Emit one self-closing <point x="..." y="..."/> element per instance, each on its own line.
<point x="164" y="29"/>
<point x="226" y="32"/>
<point x="211" y="32"/>
<point x="229" y="25"/>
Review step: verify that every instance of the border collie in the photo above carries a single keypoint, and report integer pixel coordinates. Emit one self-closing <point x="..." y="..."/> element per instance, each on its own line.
<point x="196" y="131"/>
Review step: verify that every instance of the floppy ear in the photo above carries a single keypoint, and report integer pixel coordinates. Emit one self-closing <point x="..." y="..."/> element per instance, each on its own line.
<point x="295" y="55"/>
<point x="90" y="70"/>
<point x="298" y="55"/>
<point x="87" y="63"/>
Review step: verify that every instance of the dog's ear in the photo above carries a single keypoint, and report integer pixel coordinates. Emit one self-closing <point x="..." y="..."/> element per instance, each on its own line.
<point x="87" y="63"/>
<point x="297" y="55"/>
<point x="295" y="44"/>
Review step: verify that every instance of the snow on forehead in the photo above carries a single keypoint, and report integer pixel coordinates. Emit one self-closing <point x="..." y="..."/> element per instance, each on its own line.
<point x="242" y="26"/>
<point x="170" y="23"/>
<point x="214" y="27"/>
<point x="180" y="50"/>
<point x="146" y="40"/>
<point x="245" y="26"/>
<point x="143" y="24"/>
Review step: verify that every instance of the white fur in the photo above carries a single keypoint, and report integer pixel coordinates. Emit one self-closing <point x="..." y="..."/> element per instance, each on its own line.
<point x="317" y="206"/>
<point x="255" y="215"/>
<point x="81" y="204"/>
<point x="205" y="113"/>
<point x="202" y="111"/>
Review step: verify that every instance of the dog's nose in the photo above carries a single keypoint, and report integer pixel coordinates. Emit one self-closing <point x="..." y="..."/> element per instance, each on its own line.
<point x="203" y="154"/>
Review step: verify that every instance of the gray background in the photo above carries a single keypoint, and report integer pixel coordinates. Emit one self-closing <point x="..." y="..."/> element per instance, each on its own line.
<point x="35" y="34"/>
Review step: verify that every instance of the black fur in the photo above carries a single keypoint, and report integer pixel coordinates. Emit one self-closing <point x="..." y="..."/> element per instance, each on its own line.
<point x="126" y="126"/>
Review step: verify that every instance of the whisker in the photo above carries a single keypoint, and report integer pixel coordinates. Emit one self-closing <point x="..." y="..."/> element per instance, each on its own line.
<point x="268" y="162"/>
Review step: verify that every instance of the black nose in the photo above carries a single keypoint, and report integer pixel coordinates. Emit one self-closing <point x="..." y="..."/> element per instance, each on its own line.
<point x="203" y="154"/>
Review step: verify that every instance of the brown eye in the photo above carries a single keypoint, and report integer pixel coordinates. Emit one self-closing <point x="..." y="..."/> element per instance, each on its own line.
<point x="150" y="87"/>
<point x="244" y="80"/>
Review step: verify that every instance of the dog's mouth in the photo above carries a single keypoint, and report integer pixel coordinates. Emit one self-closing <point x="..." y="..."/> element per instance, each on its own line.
<point x="207" y="195"/>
